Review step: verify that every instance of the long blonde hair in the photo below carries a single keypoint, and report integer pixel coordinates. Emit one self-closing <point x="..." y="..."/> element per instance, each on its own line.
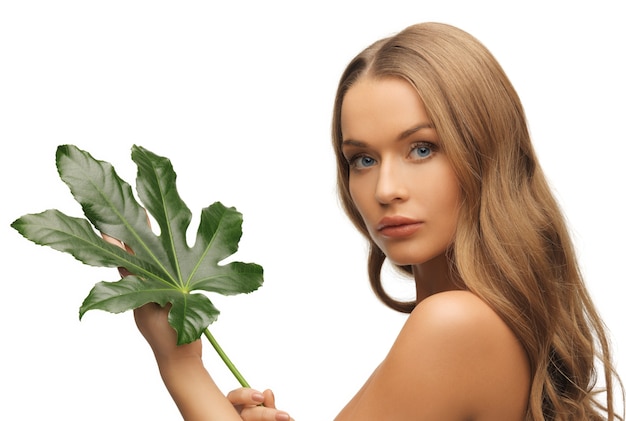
<point x="512" y="247"/>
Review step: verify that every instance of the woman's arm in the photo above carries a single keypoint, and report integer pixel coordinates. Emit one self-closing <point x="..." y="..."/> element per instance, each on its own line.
<point x="182" y="370"/>
<point x="192" y="388"/>
<point x="189" y="383"/>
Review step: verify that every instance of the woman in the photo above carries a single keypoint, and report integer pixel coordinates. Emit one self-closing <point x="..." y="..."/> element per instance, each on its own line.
<point x="437" y="171"/>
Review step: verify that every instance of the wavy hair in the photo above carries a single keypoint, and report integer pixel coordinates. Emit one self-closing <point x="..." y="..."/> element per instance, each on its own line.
<point x="512" y="246"/>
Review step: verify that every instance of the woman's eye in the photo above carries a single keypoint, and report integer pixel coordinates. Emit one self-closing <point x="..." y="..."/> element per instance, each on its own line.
<point x="362" y="161"/>
<point x="421" y="151"/>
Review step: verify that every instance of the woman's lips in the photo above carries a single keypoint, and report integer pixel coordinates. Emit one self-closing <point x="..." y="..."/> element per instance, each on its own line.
<point x="398" y="226"/>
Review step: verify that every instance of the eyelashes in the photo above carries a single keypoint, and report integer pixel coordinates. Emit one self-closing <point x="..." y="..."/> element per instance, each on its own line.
<point x="421" y="151"/>
<point x="418" y="152"/>
<point x="361" y="161"/>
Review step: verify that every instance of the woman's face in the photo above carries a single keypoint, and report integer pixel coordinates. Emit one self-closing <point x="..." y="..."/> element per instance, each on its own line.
<point x="400" y="180"/>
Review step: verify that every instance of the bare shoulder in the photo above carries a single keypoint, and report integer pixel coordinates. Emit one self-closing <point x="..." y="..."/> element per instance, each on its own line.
<point x="457" y="312"/>
<point x="481" y="352"/>
<point x="455" y="359"/>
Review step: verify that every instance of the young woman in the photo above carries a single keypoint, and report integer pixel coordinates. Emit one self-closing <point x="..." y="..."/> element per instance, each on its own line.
<point x="437" y="171"/>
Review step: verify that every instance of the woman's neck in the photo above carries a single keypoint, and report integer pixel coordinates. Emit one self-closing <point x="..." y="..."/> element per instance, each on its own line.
<point x="434" y="276"/>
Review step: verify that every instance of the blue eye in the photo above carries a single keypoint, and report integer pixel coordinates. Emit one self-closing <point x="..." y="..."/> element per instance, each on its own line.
<point x="362" y="161"/>
<point x="421" y="151"/>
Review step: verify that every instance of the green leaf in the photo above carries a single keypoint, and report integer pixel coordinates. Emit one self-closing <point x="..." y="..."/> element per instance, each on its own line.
<point x="190" y="312"/>
<point x="166" y="269"/>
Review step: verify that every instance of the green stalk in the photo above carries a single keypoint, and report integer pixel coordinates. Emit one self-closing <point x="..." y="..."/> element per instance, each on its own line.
<point x="225" y="358"/>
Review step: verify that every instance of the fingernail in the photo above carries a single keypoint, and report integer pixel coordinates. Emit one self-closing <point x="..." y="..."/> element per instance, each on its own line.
<point x="258" y="397"/>
<point x="282" y="416"/>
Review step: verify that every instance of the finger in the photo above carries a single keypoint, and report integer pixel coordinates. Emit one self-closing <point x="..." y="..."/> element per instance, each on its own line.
<point x="269" y="400"/>
<point x="112" y="240"/>
<point x="152" y="313"/>
<point x="117" y="242"/>
<point x="263" y="413"/>
<point x="123" y="271"/>
<point x="148" y="310"/>
<point x="147" y="217"/>
<point x="245" y="396"/>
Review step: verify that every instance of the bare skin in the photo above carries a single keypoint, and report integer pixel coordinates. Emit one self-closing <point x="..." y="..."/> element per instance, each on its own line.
<point x="455" y="359"/>
<point x="189" y="383"/>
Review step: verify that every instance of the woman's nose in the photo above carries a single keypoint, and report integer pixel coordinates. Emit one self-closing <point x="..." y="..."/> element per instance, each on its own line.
<point x="391" y="184"/>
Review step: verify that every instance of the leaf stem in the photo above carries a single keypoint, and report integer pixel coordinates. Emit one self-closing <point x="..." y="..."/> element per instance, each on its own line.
<point x="225" y="358"/>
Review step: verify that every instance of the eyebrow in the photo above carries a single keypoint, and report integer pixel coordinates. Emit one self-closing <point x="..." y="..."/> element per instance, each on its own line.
<point x="415" y="129"/>
<point x="403" y="135"/>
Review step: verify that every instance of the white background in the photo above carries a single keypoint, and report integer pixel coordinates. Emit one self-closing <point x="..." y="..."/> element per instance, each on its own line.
<point x="238" y="95"/>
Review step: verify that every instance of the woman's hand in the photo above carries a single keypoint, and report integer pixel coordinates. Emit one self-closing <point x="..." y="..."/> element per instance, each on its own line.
<point x="248" y="404"/>
<point x="195" y="393"/>
<point x="151" y="319"/>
